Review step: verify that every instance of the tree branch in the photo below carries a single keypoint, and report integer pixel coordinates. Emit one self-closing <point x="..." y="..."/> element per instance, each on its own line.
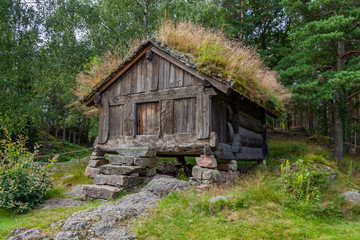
<point x="350" y="52"/>
<point x="353" y="95"/>
<point x="353" y="28"/>
<point x="328" y="66"/>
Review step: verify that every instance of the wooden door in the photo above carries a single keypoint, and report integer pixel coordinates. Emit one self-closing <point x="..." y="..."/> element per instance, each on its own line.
<point x="148" y="116"/>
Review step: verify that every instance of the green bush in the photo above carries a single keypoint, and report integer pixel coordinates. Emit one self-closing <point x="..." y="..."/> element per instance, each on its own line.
<point x="23" y="183"/>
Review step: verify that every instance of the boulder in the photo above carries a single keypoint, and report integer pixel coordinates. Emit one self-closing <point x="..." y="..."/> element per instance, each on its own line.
<point x="118" y="180"/>
<point x="30" y="234"/>
<point x="137" y="151"/>
<point x="197" y="172"/>
<point x="91" y="172"/>
<point x="163" y="185"/>
<point x="211" y="174"/>
<point x="102" y="192"/>
<point x="207" y="162"/>
<point x="352" y="196"/>
<point x="110" y="169"/>
<point x="205" y="174"/>
<point x="121" y="160"/>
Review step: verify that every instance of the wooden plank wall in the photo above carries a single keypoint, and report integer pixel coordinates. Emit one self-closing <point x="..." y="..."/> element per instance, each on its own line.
<point x="153" y="75"/>
<point x="177" y="115"/>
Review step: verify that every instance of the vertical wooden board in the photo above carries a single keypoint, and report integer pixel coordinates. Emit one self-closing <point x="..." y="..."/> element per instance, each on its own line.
<point x="115" y="128"/>
<point x="172" y="76"/>
<point x="118" y="87"/>
<point x="185" y="116"/>
<point x="149" y="75"/>
<point x="103" y="121"/>
<point x="148" y="118"/>
<point x="155" y="71"/>
<point x="133" y="79"/>
<point x="139" y="77"/>
<point x="125" y="85"/>
<point x="157" y="118"/>
<point x="128" y="119"/>
<point x="167" y="117"/>
<point x="206" y="116"/>
<point x="179" y="77"/>
<point x="161" y="73"/>
<point x="166" y="74"/>
<point x="192" y="117"/>
<point x="199" y="118"/>
<point x="187" y="79"/>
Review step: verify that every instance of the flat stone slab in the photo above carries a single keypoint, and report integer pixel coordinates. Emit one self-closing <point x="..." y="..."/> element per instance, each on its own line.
<point x="91" y="172"/>
<point x="146" y="161"/>
<point x="101" y="191"/>
<point x="97" y="163"/>
<point x="118" y="180"/>
<point x="96" y="157"/>
<point x="121" y="160"/>
<point x="207" y="162"/>
<point x="137" y="151"/>
<point x="110" y="169"/>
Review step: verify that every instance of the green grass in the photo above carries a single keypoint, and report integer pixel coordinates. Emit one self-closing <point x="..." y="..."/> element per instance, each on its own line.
<point x="56" y="146"/>
<point x="259" y="208"/>
<point x="38" y="218"/>
<point x="66" y="176"/>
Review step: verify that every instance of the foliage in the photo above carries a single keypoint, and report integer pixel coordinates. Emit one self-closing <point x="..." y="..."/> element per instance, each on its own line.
<point x="303" y="183"/>
<point x="23" y="184"/>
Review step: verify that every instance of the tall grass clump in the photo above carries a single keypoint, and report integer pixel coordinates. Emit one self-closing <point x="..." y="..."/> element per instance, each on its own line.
<point x="23" y="184"/>
<point x="231" y="61"/>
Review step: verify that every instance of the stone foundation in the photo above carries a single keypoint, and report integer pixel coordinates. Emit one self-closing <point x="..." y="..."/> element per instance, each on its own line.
<point x="130" y="167"/>
<point x="208" y="171"/>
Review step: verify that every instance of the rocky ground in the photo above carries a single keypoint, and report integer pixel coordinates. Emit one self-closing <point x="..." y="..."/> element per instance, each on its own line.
<point x="109" y="221"/>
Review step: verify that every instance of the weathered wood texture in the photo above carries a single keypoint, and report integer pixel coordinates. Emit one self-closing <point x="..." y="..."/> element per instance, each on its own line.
<point x="148" y="119"/>
<point x="241" y="134"/>
<point x="103" y="121"/>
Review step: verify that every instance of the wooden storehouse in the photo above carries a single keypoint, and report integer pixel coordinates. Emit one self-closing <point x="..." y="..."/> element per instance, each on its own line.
<point x="157" y="98"/>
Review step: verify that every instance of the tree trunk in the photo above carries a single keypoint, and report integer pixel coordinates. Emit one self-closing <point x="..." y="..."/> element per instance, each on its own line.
<point x="69" y="140"/>
<point x="46" y="135"/>
<point x="64" y="126"/>
<point x="242" y="16"/>
<point x="338" y="135"/>
<point x="57" y="128"/>
<point x="74" y="137"/>
<point x="339" y="125"/>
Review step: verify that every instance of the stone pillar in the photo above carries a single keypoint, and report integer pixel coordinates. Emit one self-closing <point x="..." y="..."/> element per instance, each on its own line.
<point x="205" y="171"/>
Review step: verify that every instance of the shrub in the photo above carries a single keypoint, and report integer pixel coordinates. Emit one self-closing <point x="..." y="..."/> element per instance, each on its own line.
<point x="23" y="183"/>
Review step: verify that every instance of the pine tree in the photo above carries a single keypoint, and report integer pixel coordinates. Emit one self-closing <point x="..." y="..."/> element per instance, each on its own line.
<point x="324" y="64"/>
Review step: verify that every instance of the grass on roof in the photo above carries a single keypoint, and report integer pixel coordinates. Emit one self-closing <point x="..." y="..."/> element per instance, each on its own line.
<point x="231" y="61"/>
<point x="227" y="60"/>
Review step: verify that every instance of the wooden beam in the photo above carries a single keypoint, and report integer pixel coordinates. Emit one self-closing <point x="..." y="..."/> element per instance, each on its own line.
<point x="221" y="86"/>
<point x="166" y="94"/>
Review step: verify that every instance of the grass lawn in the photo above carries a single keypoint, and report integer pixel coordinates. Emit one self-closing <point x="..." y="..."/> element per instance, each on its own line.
<point x="38" y="218"/>
<point x="259" y="208"/>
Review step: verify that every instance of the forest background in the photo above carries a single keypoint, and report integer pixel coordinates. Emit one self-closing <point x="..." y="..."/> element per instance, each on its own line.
<point x="46" y="46"/>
